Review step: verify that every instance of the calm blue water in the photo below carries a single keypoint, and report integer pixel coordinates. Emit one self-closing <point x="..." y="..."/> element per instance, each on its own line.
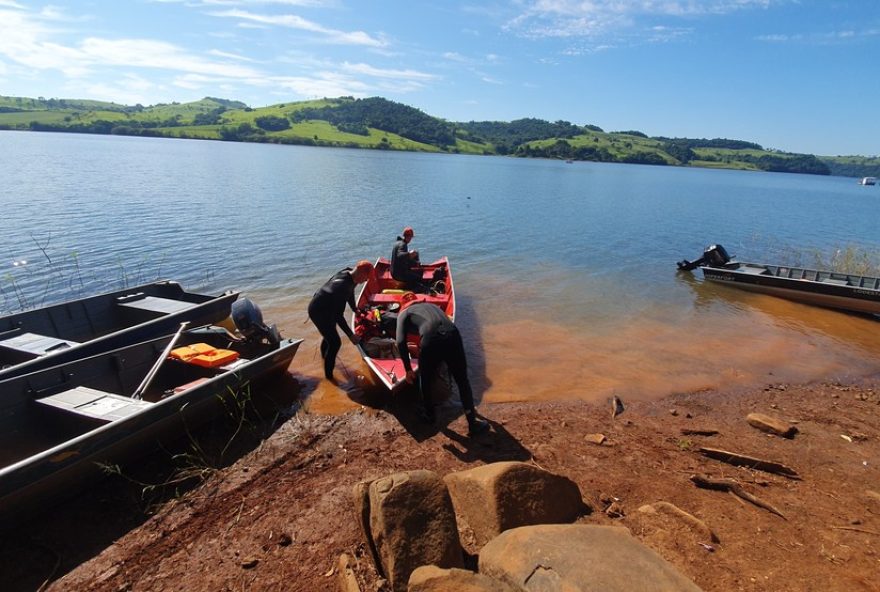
<point x="565" y="272"/>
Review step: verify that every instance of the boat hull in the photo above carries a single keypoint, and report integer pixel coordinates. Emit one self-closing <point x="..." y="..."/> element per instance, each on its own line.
<point x="831" y="290"/>
<point x="89" y="326"/>
<point x="31" y="403"/>
<point x="386" y="366"/>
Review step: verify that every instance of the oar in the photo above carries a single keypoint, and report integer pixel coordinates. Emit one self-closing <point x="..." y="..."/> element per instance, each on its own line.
<point x="139" y="393"/>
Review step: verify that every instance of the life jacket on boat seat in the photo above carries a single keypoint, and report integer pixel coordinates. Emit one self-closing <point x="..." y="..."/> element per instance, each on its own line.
<point x="202" y="354"/>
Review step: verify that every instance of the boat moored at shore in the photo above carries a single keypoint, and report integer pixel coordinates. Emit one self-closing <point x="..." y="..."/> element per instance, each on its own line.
<point x="58" y="426"/>
<point x="378" y="302"/>
<point x="36" y="339"/>
<point x="853" y="293"/>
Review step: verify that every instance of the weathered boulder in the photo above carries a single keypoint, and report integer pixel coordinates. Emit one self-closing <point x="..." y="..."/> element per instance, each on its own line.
<point x="578" y="558"/>
<point x="772" y="425"/>
<point x="499" y="496"/>
<point x="409" y="522"/>
<point x="430" y="578"/>
<point x="361" y="493"/>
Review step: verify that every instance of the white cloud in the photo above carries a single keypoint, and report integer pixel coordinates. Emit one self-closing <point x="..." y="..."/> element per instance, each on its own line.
<point x="596" y="18"/>
<point x="302" y="3"/>
<point x="127" y="89"/>
<point x="146" y="53"/>
<point x="34" y="45"/>
<point x="826" y="38"/>
<point x="385" y="73"/>
<point x="454" y="56"/>
<point x="297" y="22"/>
<point x="227" y="55"/>
<point x="25" y="39"/>
<point x="324" y="85"/>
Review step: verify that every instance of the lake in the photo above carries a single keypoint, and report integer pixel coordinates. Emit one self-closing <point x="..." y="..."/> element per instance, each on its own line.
<point x="565" y="273"/>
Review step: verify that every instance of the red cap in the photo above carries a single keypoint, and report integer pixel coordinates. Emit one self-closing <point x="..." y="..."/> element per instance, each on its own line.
<point x="408" y="231"/>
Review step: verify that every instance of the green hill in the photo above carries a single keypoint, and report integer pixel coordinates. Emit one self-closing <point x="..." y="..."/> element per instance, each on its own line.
<point x="378" y="123"/>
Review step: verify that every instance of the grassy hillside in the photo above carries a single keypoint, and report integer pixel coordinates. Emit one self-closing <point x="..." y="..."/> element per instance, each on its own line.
<point x="377" y="123"/>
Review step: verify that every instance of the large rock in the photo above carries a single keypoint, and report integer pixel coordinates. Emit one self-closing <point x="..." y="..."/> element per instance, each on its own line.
<point x="499" y="496"/>
<point x="578" y="558"/>
<point x="430" y="578"/>
<point x="408" y="522"/>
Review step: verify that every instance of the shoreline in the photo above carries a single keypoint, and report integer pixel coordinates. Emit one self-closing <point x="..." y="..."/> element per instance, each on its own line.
<point x="280" y="516"/>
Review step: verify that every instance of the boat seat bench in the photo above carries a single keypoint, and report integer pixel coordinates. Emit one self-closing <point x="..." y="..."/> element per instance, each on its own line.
<point x="155" y="304"/>
<point x="427" y="274"/>
<point x="391" y="298"/>
<point x="94" y="404"/>
<point x="36" y="344"/>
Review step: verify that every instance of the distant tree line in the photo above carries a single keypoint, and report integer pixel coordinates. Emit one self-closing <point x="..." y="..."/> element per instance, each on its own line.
<point x="564" y="150"/>
<point x="852" y="168"/>
<point x="507" y="137"/>
<point x="714" y="143"/>
<point x="385" y="115"/>
<point x="125" y="127"/>
<point x="212" y="117"/>
<point x="796" y="163"/>
<point x="272" y="123"/>
<point x="632" y="133"/>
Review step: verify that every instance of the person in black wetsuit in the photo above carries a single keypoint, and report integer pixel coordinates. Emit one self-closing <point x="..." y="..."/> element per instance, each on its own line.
<point x="327" y="309"/>
<point x="405" y="263"/>
<point x="440" y="342"/>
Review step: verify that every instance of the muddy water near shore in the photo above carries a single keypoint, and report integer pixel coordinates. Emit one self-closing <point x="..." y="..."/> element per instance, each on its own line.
<point x="590" y="344"/>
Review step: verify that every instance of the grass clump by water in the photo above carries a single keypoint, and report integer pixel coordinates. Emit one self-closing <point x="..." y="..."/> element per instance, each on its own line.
<point x="850" y="259"/>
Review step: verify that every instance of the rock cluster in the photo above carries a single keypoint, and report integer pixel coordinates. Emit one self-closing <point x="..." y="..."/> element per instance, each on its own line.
<point x="520" y="517"/>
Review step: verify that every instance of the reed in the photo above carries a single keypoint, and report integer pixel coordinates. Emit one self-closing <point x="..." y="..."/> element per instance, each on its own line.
<point x="851" y="259"/>
<point x="33" y="281"/>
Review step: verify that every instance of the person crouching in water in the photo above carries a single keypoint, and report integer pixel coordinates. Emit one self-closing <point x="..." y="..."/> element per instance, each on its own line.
<point x="440" y="342"/>
<point x="327" y="310"/>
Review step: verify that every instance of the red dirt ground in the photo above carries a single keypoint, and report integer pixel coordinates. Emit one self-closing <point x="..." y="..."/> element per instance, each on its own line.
<point x="280" y="516"/>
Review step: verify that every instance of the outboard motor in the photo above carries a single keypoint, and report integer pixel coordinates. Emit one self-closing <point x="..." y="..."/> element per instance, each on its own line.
<point x="713" y="256"/>
<point x="716" y="256"/>
<point x="248" y="319"/>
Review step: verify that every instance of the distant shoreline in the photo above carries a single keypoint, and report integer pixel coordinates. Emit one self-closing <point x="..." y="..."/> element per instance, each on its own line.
<point x="379" y="124"/>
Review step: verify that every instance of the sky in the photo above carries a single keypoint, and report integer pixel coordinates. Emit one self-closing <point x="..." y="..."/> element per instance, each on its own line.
<point x="793" y="75"/>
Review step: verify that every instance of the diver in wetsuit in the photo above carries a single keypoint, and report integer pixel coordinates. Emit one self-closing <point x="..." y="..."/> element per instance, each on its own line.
<point x="405" y="263"/>
<point x="327" y="309"/>
<point x="440" y="342"/>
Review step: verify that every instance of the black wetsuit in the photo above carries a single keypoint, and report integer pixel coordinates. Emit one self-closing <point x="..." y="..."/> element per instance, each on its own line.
<point x="402" y="266"/>
<point x="440" y="342"/>
<point x="327" y="310"/>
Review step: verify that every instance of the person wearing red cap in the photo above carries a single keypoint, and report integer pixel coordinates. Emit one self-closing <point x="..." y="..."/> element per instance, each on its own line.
<point x="439" y="342"/>
<point x="405" y="263"/>
<point x="327" y="310"/>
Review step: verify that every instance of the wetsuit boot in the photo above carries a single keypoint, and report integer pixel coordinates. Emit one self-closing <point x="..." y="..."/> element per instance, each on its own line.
<point x="476" y="426"/>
